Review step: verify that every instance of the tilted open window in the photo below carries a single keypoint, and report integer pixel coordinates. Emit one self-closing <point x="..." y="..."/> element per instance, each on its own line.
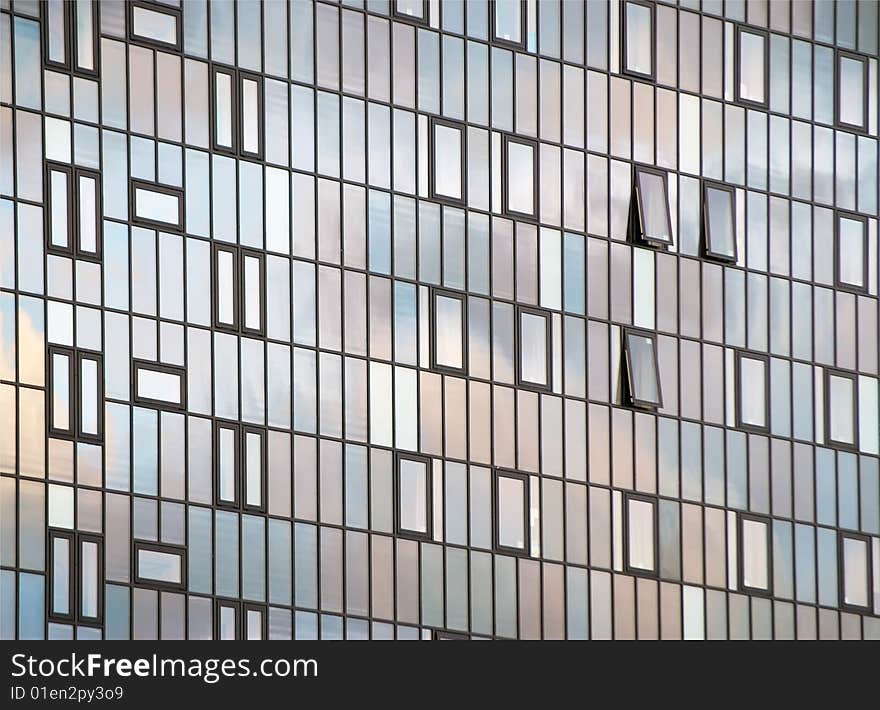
<point x="642" y="371"/>
<point x="719" y="221"/>
<point x="650" y="222"/>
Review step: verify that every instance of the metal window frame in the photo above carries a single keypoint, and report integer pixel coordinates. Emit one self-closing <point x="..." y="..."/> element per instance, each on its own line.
<point x="741" y="517"/>
<point x="242" y="76"/>
<point x="244" y="254"/>
<point x="75" y="540"/>
<point x="99" y="541"/>
<point x="842" y="535"/>
<point x="525" y="551"/>
<point x="737" y="70"/>
<point x="845" y="285"/>
<point x="232" y="73"/>
<point x="423" y="21"/>
<point x="235" y="427"/>
<point x="435" y="337"/>
<point x="49" y="167"/>
<point x="636" y="221"/>
<point x="740" y="355"/>
<point x="631" y="397"/>
<point x="708" y="251"/>
<point x="624" y="69"/>
<point x="71" y="40"/>
<point x="506" y="140"/>
<point x="548" y="348"/>
<point x="433" y="122"/>
<point x="826" y="407"/>
<point x="264" y="620"/>
<point x="135" y="220"/>
<point x="264" y="469"/>
<point x="840" y="54"/>
<point x="654" y="503"/>
<point x="143" y="40"/>
<point x="235" y="605"/>
<point x="161" y="404"/>
<point x="98" y="358"/>
<point x="73" y="395"/>
<point x="81" y="253"/>
<point x="523" y="29"/>
<point x="399" y="531"/>
<point x="166" y="548"/>
<point x="217" y="324"/>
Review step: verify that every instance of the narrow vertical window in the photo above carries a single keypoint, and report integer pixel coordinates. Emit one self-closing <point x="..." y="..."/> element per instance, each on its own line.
<point x="252" y="279"/>
<point x="59" y="184"/>
<point x="449" y="331"/>
<point x="254" y="623"/>
<point x="841" y="407"/>
<point x="413" y="10"/>
<point x="225" y="287"/>
<point x="641" y="535"/>
<point x="852" y="91"/>
<point x="55" y="32"/>
<point x="88" y="213"/>
<point x="226" y="464"/>
<point x="851" y="252"/>
<point x="650" y="222"/>
<point x="61" y="570"/>
<point x="511" y="512"/>
<point x="254" y="469"/>
<point x="76" y="577"/>
<point x="534" y="348"/>
<point x="62" y="392"/>
<point x="751" y="63"/>
<point x="755" y="571"/>
<point x="641" y="368"/>
<point x="447" y="161"/>
<point x="751" y="388"/>
<point x="855" y="571"/>
<point x="85" y="27"/>
<point x="223" y="125"/>
<point x="251" y="138"/>
<point x="638" y="38"/>
<point x="508" y="23"/>
<point x="90" y="393"/>
<point x="239" y="290"/>
<point x="226" y="615"/>
<point x="414" y="486"/>
<point x="719" y="221"/>
<point x="91" y="579"/>
<point x="520" y="177"/>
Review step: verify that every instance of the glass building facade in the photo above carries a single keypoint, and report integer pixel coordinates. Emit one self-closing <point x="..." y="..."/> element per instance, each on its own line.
<point x="417" y="320"/>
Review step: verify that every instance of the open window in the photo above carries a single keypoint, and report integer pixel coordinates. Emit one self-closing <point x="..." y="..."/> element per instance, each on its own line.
<point x="447" y="172"/>
<point x="449" y="331"/>
<point x="755" y="567"/>
<point x="70" y="36"/>
<point x="752" y="387"/>
<point x="642" y="537"/>
<point x="155" y="24"/>
<point x="159" y="566"/>
<point x="511" y="513"/>
<point x="650" y="222"/>
<point x="414" y="488"/>
<point x="752" y="66"/>
<point x="642" y="378"/>
<point x="76" y="394"/>
<point x="851" y="108"/>
<point x="719" y="221"/>
<point x="851" y="252"/>
<point x="855" y="560"/>
<point x="841" y="409"/>
<point x="534" y="338"/>
<point x="520" y="177"/>
<point x="415" y="11"/>
<point x="76" y="577"/>
<point x="239" y="290"/>
<point x="509" y="23"/>
<point x="73" y="224"/>
<point x="637" y="23"/>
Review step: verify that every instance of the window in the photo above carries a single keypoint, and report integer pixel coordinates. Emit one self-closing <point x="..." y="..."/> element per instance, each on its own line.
<point x="414" y="488"/>
<point x="852" y="91"/>
<point x="508" y="23"/>
<point x="534" y="348"/>
<point x="638" y="39"/>
<point x="254" y="622"/>
<point x="851" y="252"/>
<point x="154" y="23"/>
<point x="751" y="389"/>
<point x="235" y="620"/>
<point x="240" y="472"/>
<point x="70" y="36"/>
<point x="76" y="394"/>
<point x="449" y="636"/>
<point x="650" y="222"/>
<point x="855" y="571"/>
<point x="719" y="221"/>
<point x="239" y="300"/>
<point x="162" y="566"/>
<point x="238" y="107"/>
<point x="413" y="10"/>
<point x="73" y="227"/>
<point x="642" y="371"/>
<point x="752" y="66"/>
<point x="755" y="570"/>
<point x="511" y="512"/>
<point x="163" y="386"/>
<point x="449" y="332"/>
<point x="841" y="407"/>
<point x="76" y="577"/>
<point x="641" y="535"/>
<point x="520" y="177"/>
<point x="155" y="205"/>
<point x="447" y="161"/>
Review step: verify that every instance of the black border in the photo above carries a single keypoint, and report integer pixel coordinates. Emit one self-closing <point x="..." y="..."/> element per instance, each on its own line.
<point x="841" y="572"/>
<point x="239" y="123"/>
<point x="507" y="139"/>
<point x="99" y="214"/>
<point x="433" y="122"/>
<point x="423" y="21"/>
<point x="216" y="248"/>
<point x="143" y="40"/>
<point x="428" y="535"/>
<point x="66" y="8"/>
<point x="866" y="94"/>
<point x="50" y="166"/>
<point x="99" y="360"/>
<point x="548" y="346"/>
<point x="845" y="285"/>
<point x="740" y="355"/>
<point x="179" y="550"/>
<point x="639" y="571"/>
<point x="623" y="66"/>
<point x="243" y="254"/>
<point x="523" y="27"/>
<point x="741" y="517"/>
<point x="826" y="406"/>
<point x="637" y="215"/>
<point x="72" y="398"/>
<point x="461" y="298"/>
<point x="627" y="360"/>
<point x="230" y="150"/>
<point x="162" y="404"/>
<point x="70" y="40"/>
<point x="101" y="581"/>
<point x="235" y="605"/>
<point x="234" y="504"/>
<point x="135" y="184"/>
<point x="264" y="471"/>
<point x="708" y="251"/>
<point x="264" y="620"/>
<point x="72" y="576"/>
<point x="496" y="545"/>
<point x="740" y="29"/>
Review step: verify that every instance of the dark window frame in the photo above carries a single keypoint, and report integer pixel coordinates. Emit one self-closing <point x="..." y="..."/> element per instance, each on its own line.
<point x="655" y="505"/>
<point x="423" y="21"/>
<point x="244" y="75"/>
<point x="75" y="580"/>
<point x="143" y="40"/>
<point x="525" y="551"/>
<point x="739" y="356"/>
<point x="264" y="469"/>
<point x="235" y="427"/>
<point x="741" y="518"/>
<point x="235" y="605"/>
<point x="232" y="73"/>
<point x="161" y="404"/>
<point x="548" y="348"/>
<point x="838" y="283"/>
<point x="428" y="535"/>
<point x="73" y="412"/>
<point x="135" y="220"/>
<point x="166" y="548"/>
<point x="826" y="407"/>
<point x="99" y="214"/>
<point x="636" y="226"/>
<point x="652" y="76"/>
<point x="264" y="620"/>
<point x="71" y="41"/>
<point x="506" y="140"/>
<point x="98" y="358"/>
<point x="842" y="535"/>
<point x="244" y="254"/>
<point x="840" y="54"/>
<point x="99" y="541"/>
<point x="433" y="122"/>
<point x="708" y="252"/>
<point x="49" y="167"/>
<point x="737" y="69"/>
<point x="443" y="635"/>
<point x="628" y="379"/>
<point x="523" y="29"/>
<point x="462" y="298"/>
<point x="216" y="248"/>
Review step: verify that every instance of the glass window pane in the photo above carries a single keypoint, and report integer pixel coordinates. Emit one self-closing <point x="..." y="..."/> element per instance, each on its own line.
<point x="643" y="369"/>
<point x="226" y="287"/>
<point x="511" y="512"/>
<point x="87" y="192"/>
<point x="447" y="162"/>
<point x="159" y="566"/>
<point x="61" y="392"/>
<point x="413" y="496"/>
<point x="520" y="178"/>
<point x="508" y="21"/>
<point x="59" y="196"/>
<point x="226" y="462"/>
<point x="751" y="67"/>
<point x="157" y="26"/>
<point x="753" y="404"/>
<point x="533" y="348"/>
<point x="448" y="332"/>
<point x="719" y="223"/>
<point x="90" y="582"/>
<point x="223" y="110"/>
<point x="640" y="541"/>
<point x="851" y="99"/>
<point x="252" y="291"/>
<point x="639" y="39"/>
<point x="855" y="572"/>
<point x="89" y="390"/>
<point x="654" y="207"/>
<point x="253" y="469"/>
<point x="754" y="552"/>
<point x="851" y="252"/>
<point x="250" y="116"/>
<point x="841" y="393"/>
<point x="61" y="575"/>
